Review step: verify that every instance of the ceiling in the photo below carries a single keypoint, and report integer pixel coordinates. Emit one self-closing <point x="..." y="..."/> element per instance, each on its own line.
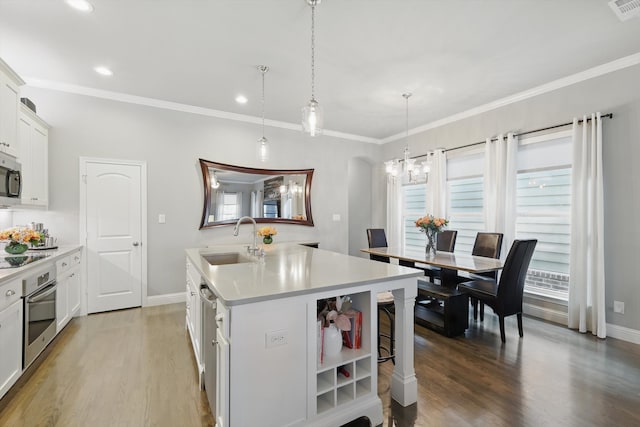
<point x="452" y="55"/>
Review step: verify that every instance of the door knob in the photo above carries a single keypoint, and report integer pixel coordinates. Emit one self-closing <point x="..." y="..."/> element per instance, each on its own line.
<point x="10" y="292"/>
<point x="135" y="243"/>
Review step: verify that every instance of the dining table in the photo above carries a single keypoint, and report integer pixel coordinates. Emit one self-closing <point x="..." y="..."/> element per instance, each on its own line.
<point x="442" y="308"/>
<point x="411" y="257"/>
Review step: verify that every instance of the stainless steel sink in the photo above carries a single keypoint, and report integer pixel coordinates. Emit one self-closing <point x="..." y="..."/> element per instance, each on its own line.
<point x="225" y="258"/>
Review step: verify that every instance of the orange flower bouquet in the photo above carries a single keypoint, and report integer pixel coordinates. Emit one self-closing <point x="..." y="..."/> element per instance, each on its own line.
<point x="18" y="237"/>
<point x="431" y="225"/>
<point x="267" y="234"/>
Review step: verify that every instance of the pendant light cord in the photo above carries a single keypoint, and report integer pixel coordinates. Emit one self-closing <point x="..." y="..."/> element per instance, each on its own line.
<point x="313" y="50"/>
<point x="263" y="71"/>
<point x="406" y="97"/>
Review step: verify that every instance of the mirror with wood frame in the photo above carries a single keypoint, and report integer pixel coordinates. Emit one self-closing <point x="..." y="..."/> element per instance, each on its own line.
<point x="267" y="195"/>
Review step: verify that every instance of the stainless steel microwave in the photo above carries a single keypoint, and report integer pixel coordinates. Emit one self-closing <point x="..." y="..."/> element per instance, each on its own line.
<point x="10" y="180"/>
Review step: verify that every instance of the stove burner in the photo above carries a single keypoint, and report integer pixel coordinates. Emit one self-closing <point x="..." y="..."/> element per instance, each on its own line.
<point x="16" y="261"/>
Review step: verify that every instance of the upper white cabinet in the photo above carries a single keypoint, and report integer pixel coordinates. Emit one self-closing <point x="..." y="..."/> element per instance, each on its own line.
<point x="33" y="138"/>
<point x="9" y="104"/>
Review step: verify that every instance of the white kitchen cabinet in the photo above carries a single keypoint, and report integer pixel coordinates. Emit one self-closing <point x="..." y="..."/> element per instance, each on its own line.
<point x="33" y="138"/>
<point x="193" y="319"/>
<point x="10" y="83"/>
<point x="68" y="292"/>
<point x="10" y="342"/>
<point x="222" y="385"/>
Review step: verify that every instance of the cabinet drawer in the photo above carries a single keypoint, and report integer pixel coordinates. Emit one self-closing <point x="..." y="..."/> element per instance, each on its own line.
<point x="75" y="259"/>
<point x="9" y="293"/>
<point x="63" y="264"/>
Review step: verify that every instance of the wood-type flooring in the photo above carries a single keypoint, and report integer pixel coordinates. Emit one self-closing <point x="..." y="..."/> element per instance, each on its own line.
<point x="134" y="368"/>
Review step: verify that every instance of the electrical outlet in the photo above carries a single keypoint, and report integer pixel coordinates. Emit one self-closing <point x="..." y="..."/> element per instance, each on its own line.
<point x="618" y="307"/>
<point x="336" y="217"/>
<point x="276" y="338"/>
<point x="162" y="218"/>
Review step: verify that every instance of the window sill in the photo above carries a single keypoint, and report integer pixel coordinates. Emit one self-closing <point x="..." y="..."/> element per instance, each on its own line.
<point x="559" y="298"/>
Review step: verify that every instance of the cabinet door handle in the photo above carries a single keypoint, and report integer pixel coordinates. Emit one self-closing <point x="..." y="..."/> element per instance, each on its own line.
<point x="214" y="343"/>
<point x="64" y="264"/>
<point x="10" y="293"/>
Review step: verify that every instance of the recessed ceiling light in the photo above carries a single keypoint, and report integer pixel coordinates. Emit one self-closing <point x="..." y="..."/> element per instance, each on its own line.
<point x="81" y="5"/>
<point x="241" y="99"/>
<point x="104" y="71"/>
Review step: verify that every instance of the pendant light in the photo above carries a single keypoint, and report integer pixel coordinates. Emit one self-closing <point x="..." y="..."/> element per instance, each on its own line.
<point x="312" y="115"/>
<point x="410" y="170"/>
<point x="263" y="143"/>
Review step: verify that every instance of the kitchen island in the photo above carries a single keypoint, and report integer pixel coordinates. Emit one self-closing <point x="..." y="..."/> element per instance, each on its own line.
<point x="268" y="367"/>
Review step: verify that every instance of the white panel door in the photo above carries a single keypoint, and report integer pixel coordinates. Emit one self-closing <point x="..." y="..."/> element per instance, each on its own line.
<point x="114" y="231"/>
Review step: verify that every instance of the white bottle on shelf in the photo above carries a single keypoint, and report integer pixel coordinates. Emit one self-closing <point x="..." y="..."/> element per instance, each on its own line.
<point x="332" y="340"/>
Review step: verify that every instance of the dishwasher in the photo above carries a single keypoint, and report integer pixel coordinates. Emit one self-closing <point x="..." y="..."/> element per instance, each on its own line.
<point x="209" y="327"/>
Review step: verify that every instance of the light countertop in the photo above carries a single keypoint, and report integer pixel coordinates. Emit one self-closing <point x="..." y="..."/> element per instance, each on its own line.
<point x="7" y="274"/>
<point x="288" y="269"/>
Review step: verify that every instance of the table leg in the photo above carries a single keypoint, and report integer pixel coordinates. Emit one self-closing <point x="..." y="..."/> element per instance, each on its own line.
<point x="404" y="385"/>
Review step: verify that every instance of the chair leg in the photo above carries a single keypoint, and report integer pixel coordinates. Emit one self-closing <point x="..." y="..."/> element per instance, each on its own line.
<point x="481" y="311"/>
<point x="502" y="337"/>
<point x="520" y="324"/>
<point x="379" y="313"/>
<point x="474" y="301"/>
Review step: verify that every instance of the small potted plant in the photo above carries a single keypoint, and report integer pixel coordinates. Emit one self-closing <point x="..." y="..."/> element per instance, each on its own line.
<point x="267" y="234"/>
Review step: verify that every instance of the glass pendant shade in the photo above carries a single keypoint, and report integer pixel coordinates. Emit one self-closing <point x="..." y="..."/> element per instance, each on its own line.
<point x="263" y="149"/>
<point x="312" y="118"/>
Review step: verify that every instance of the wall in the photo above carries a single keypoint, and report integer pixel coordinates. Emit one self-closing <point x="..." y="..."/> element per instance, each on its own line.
<point x="617" y="93"/>
<point x="359" y="207"/>
<point x="171" y="143"/>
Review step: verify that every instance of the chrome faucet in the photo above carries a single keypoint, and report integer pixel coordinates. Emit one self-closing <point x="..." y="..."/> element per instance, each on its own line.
<point x="252" y="250"/>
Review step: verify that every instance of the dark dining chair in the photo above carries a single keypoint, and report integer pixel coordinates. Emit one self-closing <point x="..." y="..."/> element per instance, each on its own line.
<point x="505" y="296"/>
<point x="377" y="239"/>
<point x="445" y="242"/>
<point x="487" y="245"/>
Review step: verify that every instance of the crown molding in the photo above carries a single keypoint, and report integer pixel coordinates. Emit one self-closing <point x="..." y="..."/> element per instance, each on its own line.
<point x="600" y="70"/>
<point x="175" y="106"/>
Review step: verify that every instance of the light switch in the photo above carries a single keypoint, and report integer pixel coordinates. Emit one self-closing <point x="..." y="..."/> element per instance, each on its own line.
<point x="161" y="219"/>
<point x="336" y="217"/>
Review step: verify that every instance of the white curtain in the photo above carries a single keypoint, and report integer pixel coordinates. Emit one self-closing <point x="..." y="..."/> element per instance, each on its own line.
<point x="437" y="185"/>
<point x="500" y="177"/>
<point x="239" y="204"/>
<point x="394" y="212"/>
<point x="586" y="265"/>
<point x="219" y="205"/>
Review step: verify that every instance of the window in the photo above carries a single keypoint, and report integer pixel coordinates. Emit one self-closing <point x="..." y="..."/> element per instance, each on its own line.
<point x="465" y="211"/>
<point x="414" y="206"/>
<point x="544" y="211"/>
<point x="465" y="197"/>
<point x="230" y="206"/>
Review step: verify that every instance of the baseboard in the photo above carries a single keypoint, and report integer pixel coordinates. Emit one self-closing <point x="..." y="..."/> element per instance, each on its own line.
<point x="546" y="314"/>
<point x="166" y="299"/>
<point x="623" y="333"/>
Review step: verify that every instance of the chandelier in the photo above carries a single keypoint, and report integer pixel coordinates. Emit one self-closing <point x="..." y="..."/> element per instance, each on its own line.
<point x="411" y="171"/>
<point x="312" y="115"/>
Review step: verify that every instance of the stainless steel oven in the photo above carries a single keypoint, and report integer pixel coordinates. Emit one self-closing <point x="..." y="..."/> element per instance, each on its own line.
<point x="39" y="292"/>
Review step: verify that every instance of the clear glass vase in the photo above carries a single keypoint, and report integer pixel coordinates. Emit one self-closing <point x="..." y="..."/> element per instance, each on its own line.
<point x="430" y="249"/>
